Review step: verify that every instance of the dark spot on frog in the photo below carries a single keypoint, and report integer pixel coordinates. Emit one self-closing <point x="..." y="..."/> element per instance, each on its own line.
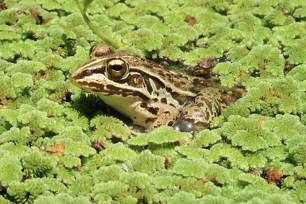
<point x="113" y="88"/>
<point x="208" y="104"/>
<point x="149" y="120"/>
<point x="143" y="105"/>
<point x="207" y="116"/>
<point x="168" y="89"/>
<point x="200" y="104"/>
<point x="182" y="83"/>
<point x="170" y="123"/>
<point x="161" y="73"/>
<point x="163" y="100"/>
<point x="200" y="94"/>
<point x="169" y="76"/>
<point x="203" y="83"/>
<point x="174" y="95"/>
<point x="181" y="76"/>
<point x="135" y="80"/>
<point x="153" y="110"/>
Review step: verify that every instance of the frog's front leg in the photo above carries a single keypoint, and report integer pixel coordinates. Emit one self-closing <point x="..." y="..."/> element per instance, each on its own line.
<point x="160" y="114"/>
<point x="197" y="115"/>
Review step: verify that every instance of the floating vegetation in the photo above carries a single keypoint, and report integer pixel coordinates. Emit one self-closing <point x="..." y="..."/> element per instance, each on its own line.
<point x="58" y="145"/>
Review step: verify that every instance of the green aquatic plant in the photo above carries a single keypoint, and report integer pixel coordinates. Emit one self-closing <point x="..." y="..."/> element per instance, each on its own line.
<point x="60" y="145"/>
<point x="160" y="136"/>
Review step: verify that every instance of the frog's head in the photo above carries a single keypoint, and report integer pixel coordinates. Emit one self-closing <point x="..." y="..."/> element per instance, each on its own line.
<point x="111" y="75"/>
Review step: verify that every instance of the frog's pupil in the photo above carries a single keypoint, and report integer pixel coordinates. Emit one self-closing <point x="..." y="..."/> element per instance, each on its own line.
<point x="117" y="67"/>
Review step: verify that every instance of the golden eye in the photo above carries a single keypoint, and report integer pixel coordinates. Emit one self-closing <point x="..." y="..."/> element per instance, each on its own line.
<point x="117" y="69"/>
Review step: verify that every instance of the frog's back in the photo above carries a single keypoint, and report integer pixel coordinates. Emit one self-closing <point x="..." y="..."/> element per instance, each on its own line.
<point x="177" y="82"/>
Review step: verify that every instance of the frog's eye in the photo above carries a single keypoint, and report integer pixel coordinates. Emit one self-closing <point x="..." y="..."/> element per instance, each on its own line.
<point x="117" y="69"/>
<point x="99" y="50"/>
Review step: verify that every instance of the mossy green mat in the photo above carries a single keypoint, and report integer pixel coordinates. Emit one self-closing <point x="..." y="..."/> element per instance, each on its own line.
<point x="58" y="145"/>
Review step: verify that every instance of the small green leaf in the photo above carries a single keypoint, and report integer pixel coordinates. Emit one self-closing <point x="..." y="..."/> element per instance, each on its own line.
<point x="162" y="135"/>
<point x="11" y="171"/>
<point x="145" y="39"/>
<point x="146" y="162"/>
<point x="108" y="173"/>
<point x="109" y="190"/>
<point x="192" y="152"/>
<point x="137" y="180"/>
<point x="61" y="198"/>
<point x="182" y="196"/>
<point x="119" y="152"/>
<point x="81" y="186"/>
<point x="37" y="164"/>
<point x="70" y="161"/>
<point x="205" y="138"/>
<point x="21" y="136"/>
<point x="76" y="148"/>
<point x="190" y="168"/>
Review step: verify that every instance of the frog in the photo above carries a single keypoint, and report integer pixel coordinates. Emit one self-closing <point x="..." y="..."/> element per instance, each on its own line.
<point x="150" y="94"/>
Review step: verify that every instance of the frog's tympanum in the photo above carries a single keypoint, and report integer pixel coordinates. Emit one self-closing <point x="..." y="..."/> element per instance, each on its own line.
<point x="148" y="93"/>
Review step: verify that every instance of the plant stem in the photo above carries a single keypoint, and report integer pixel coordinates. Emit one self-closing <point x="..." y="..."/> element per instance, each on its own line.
<point x="114" y="43"/>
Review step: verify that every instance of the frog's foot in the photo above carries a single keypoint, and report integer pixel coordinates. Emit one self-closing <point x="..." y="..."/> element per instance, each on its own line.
<point x="198" y="115"/>
<point x="165" y="115"/>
